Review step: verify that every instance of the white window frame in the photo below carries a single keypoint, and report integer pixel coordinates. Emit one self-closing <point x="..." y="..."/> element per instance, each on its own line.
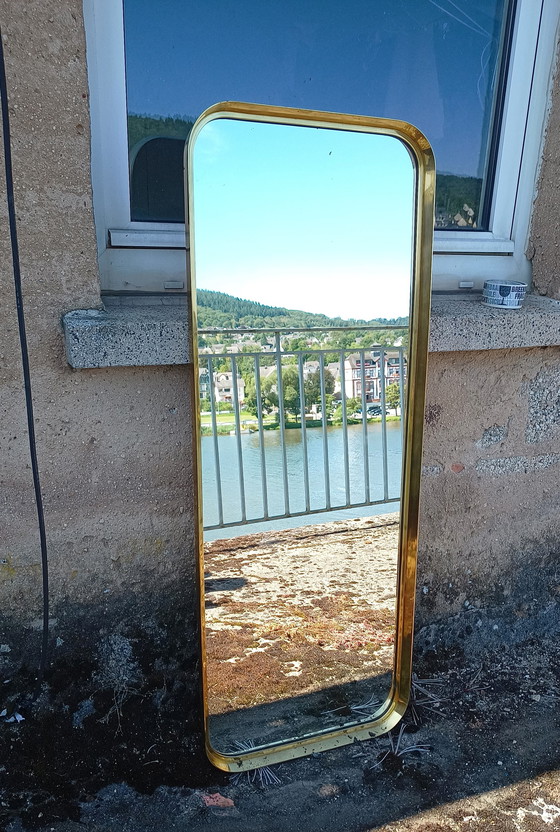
<point x="150" y="257"/>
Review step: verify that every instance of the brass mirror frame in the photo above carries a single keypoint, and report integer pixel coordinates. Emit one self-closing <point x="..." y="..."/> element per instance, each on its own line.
<point x="392" y="710"/>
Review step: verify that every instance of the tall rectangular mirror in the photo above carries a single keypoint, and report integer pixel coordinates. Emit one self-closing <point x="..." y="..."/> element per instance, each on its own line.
<point x="310" y="278"/>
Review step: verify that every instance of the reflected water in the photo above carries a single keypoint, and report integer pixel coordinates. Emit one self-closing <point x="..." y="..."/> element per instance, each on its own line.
<point x="227" y="451"/>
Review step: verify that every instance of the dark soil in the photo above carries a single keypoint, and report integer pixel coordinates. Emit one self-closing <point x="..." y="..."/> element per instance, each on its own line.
<point x="488" y="757"/>
<point x="78" y="737"/>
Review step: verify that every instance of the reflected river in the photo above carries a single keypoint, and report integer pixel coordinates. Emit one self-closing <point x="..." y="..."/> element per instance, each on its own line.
<point x="251" y="468"/>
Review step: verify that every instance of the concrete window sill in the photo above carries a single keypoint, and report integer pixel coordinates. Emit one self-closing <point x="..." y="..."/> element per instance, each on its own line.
<point x="462" y="322"/>
<point x="136" y="332"/>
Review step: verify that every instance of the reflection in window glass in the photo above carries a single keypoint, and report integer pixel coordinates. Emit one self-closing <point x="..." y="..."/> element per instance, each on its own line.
<point x="435" y="64"/>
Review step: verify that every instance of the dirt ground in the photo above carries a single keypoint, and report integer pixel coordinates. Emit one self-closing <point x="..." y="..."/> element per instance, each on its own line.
<point x="116" y="745"/>
<point x="303" y="618"/>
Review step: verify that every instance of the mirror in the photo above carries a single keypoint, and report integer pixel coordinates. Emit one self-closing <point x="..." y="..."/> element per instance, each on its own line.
<point x="310" y="253"/>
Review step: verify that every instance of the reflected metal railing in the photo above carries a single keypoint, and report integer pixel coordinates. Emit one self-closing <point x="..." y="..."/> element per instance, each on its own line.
<point x="365" y="371"/>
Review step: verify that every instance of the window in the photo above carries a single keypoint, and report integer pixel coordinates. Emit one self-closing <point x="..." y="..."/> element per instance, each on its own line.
<point x="476" y="81"/>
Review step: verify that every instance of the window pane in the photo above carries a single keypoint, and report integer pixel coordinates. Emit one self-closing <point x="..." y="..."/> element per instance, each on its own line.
<point x="425" y="61"/>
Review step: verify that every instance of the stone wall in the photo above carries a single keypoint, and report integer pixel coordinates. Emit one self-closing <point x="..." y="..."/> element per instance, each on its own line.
<point x="545" y="231"/>
<point x="489" y="557"/>
<point x="114" y="445"/>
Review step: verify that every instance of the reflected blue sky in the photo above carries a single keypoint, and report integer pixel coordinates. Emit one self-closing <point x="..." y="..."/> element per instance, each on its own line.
<point x="313" y="219"/>
<point x="430" y="63"/>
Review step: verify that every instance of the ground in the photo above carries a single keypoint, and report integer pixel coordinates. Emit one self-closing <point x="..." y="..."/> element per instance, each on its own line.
<point x="115" y="744"/>
<point x="306" y="613"/>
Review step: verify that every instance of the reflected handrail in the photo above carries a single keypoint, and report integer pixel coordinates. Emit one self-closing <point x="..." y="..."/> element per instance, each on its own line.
<point x="369" y="383"/>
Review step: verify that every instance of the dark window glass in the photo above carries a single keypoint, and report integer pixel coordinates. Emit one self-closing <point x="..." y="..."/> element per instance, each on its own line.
<point x="435" y="63"/>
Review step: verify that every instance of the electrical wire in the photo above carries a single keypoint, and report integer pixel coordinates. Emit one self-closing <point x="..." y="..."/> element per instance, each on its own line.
<point x="25" y="364"/>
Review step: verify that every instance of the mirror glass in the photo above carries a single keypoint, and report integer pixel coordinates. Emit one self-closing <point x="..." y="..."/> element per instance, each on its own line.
<point x="302" y="244"/>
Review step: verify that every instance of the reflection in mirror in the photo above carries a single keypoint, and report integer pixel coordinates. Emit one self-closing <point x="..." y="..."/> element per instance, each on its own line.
<point x="388" y="58"/>
<point x="303" y="253"/>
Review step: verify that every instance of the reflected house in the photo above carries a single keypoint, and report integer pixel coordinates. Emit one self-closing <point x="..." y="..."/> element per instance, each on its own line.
<point x="203" y="383"/>
<point x="250" y="344"/>
<point x="212" y="350"/>
<point x="392" y="368"/>
<point x="309" y="368"/>
<point x="223" y="388"/>
<point x="265" y="372"/>
<point x="334" y="369"/>
<point x="354" y="373"/>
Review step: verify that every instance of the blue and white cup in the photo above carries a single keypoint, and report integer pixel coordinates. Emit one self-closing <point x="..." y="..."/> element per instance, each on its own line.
<point x="507" y="294"/>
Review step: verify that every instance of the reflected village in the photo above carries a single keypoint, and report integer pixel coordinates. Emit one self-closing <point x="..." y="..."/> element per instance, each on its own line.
<point x="342" y="368"/>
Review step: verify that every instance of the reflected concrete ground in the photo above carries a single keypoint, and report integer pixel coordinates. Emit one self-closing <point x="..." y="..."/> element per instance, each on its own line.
<point x="299" y="628"/>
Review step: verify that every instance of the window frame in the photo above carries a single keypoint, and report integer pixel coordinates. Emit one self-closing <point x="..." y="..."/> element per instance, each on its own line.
<point x="150" y="257"/>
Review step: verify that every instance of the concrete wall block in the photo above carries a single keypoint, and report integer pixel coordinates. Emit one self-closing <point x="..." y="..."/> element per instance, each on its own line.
<point x="544" y="236"/>
<point x="115" y="458"/>
<point x="489" y="525"/>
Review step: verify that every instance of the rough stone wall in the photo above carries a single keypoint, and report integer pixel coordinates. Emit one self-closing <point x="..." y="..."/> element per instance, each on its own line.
<point x="489" y="557"/>
<point x="544" y="238"/>
<point x="113" y="445"/>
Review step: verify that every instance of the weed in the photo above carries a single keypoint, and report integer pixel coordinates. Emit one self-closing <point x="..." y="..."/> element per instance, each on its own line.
<point x="424" y="697"/>
<point x="364" y="710"/>
<point x="392" y="759"/>
<point x="262" y="777"/>
<point x="118" y="672"/>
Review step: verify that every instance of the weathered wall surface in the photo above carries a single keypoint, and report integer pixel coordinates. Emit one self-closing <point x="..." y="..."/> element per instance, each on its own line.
<point x="490" y="526"/>
<point x="114" y="446"/>
<point x="544" y="239"/>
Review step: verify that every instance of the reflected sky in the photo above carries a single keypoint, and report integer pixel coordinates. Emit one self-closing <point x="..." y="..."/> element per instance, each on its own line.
<point x="305" y="218"/>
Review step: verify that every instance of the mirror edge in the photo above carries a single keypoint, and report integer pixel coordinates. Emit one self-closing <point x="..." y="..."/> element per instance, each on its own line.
<point x="423" y="161"/>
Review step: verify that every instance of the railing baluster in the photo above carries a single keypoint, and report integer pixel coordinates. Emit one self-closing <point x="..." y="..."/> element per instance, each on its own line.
<point x="401" y="391"/>
<point x="238" y="437"/>
<point x="344" y="429"/>
<point x="384" y="426"/>
<point x="280" y="388"/>
<point x="215" y="443"/>
<point x="326" y="472"/>
<point x="303" y="433"/>
<point x="365" y="373"/>
<point x="302" y="513"/>
<point x="261" y="436"/>
<point x="364" y="427"/>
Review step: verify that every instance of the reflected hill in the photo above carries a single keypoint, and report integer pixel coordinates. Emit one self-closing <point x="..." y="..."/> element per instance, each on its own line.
<point x="221" y="310"/>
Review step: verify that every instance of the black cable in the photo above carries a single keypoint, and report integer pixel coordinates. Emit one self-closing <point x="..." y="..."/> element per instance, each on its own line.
<point x="25" y="364"/>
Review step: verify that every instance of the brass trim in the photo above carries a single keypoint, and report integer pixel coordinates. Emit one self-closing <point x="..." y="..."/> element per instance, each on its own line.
<point x="392" y="710"/>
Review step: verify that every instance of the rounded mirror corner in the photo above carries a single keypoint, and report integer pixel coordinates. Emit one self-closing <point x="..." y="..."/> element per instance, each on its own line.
<point x="392" y="712"/>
